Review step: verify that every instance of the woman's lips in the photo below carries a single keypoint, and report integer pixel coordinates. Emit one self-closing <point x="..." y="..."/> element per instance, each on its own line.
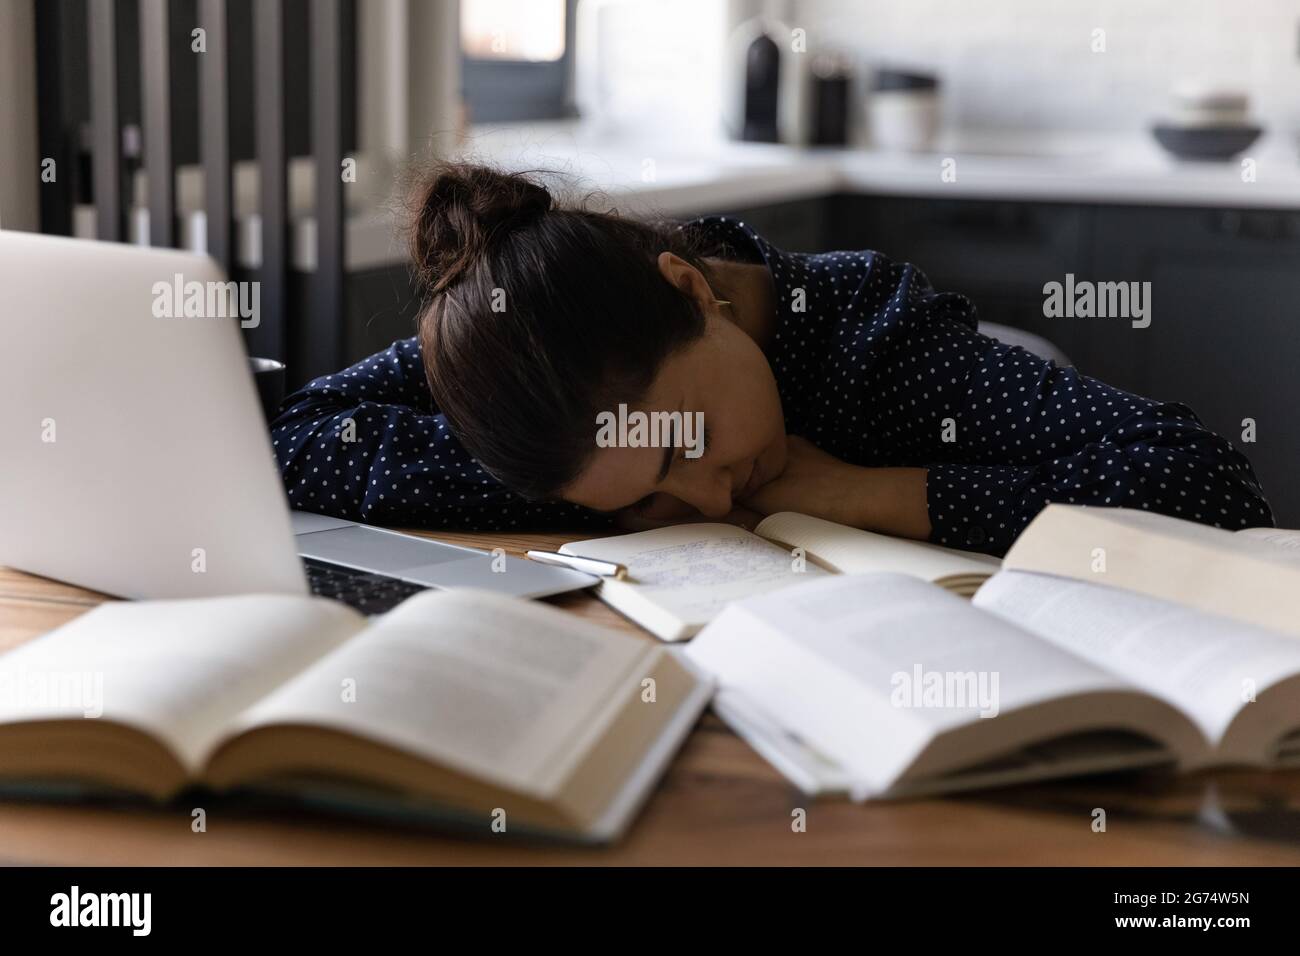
<point x="752" y="483"/>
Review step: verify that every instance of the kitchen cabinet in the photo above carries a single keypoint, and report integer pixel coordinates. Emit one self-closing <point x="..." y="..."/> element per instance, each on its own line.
<point x="1224" y="336"/>
<point x="386" y="301"/>
<point x="999" y="253"/>
<point x="381" y="305"/>
<point x="802" y="225"/>
<point x="1225" y="324"/>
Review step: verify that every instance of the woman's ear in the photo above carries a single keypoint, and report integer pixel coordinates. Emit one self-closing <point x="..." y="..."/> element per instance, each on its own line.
<point x="686" y="277"/>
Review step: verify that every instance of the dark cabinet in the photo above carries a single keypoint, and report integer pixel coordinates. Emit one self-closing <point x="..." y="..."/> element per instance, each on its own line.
<point x="1225" y="324"/>
<point x="999" y="253"/>
<point x="1224" y="332"/>
<point x="801" y="225"/>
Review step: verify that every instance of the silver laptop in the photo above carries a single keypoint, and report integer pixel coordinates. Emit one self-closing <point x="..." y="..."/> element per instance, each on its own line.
<point x="134" y="459"/>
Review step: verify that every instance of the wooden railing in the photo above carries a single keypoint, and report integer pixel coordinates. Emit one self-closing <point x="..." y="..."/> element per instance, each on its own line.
<point x="310" y="332"/>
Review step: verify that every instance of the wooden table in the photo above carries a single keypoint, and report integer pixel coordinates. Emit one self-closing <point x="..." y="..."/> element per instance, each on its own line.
<point x="719" y="803"/>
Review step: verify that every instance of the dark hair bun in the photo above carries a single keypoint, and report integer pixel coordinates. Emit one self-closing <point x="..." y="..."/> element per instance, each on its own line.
<point x="460" y="211"/>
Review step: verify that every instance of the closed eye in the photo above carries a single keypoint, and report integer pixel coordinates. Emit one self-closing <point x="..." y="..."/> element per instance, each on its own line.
<point x="704" y="447"/>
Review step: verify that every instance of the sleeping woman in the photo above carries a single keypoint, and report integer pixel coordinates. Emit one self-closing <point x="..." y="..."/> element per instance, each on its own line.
<point x="839" y="385"/>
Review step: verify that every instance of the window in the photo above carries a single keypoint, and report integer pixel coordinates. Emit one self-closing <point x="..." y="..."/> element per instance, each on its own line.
<point x="517" y="58"/>
<point x="513" y="29"/>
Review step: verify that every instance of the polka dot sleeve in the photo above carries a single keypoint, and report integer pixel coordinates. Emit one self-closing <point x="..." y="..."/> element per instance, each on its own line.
<point x="367" y="444"/>
<point x="1019" y="433"/>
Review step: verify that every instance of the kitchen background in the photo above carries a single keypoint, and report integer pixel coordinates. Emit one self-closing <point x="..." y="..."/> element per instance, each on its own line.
<point x="1007" y="64"/>
<point x="1011" y="146"/>
<point x="1027" y="65"/>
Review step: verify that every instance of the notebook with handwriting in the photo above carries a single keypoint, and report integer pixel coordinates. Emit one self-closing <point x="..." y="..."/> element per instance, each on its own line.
<point x="455" y="705"/>
<point x="681" y="577"/>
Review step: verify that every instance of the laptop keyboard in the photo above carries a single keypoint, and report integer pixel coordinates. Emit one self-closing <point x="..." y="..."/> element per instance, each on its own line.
<point x="367" y="592"/>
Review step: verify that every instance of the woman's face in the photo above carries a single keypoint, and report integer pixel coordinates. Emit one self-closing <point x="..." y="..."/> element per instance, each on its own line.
<point x="725" y="377"/>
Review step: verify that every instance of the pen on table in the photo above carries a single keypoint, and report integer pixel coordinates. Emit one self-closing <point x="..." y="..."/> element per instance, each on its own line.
<point x="602" y="569"/>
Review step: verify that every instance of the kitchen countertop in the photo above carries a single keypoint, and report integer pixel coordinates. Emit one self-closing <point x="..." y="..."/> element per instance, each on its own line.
<point x="1127" y="169"/>
<point x="643" y="175"/>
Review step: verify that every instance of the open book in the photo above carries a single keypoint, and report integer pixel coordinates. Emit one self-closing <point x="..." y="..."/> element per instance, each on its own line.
<point x="887" y="686"/>
<point x="682" y="576"/>
<point x="456" y="705"/>
<point x="1252" y="574"/>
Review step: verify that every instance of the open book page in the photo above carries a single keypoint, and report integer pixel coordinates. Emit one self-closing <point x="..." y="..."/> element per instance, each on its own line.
<point x="853" y="551"/>
<point x="1217" y="571"/>
<point x="694" y="570"/>
<point x="1277" y="537"/>
<point x="851" y="665"/>
<point x="177" y="670"/>
<point x="502" y="689"/>
<point x="1209" y="667"/>
<point x="812" y="772"/>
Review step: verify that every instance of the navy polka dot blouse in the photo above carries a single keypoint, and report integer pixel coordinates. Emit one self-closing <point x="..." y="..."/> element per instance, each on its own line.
<point x="873" y="366"/>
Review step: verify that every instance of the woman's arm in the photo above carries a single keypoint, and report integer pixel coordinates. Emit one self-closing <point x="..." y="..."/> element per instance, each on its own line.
<point x="1003" y="432"/>
<point x="985" y="444"/>
<point x="888" y="500"/>
<point x="1026" y="433"/>
<point x="367" y="444"/>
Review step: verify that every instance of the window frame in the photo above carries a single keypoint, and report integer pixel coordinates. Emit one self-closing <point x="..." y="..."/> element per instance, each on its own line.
<point x="502" y="91"/>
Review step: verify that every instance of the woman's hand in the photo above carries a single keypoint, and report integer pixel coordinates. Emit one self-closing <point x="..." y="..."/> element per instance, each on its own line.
<point x="813" y="483"/>
<point x="888" y="500"/>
